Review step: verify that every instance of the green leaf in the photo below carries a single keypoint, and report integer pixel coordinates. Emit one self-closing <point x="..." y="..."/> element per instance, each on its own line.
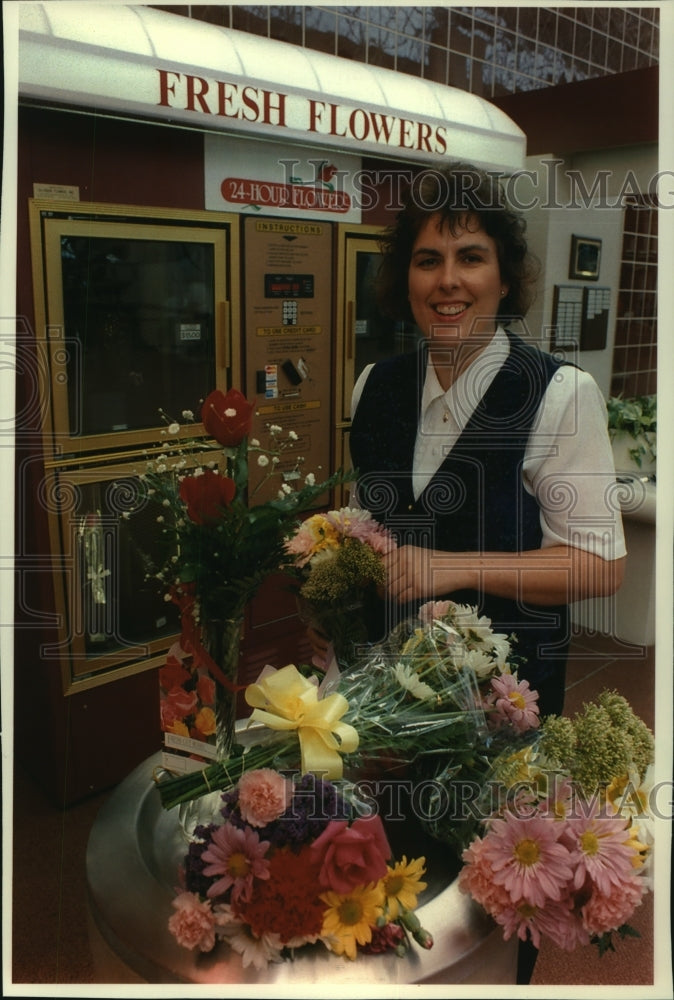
<point x="625" y="930"/>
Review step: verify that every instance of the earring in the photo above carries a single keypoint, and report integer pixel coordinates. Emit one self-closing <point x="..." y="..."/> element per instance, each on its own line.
<point x="502" y="292"/>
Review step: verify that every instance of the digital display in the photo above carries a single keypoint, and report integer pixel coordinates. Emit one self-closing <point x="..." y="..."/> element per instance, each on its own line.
<point x="289" y="286"/>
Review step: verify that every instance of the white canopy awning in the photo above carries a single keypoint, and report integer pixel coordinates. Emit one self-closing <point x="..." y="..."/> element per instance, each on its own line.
<point x="150" y="64"/>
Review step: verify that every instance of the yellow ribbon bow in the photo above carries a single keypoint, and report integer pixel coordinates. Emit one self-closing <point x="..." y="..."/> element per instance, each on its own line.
<point x="286" y="700"/>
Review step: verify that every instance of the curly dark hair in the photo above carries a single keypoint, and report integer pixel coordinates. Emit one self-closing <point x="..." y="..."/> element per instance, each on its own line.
<point x="460" y="194"/>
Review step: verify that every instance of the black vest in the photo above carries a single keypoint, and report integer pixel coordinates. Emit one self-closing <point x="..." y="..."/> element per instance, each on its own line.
<point x="476" y="501"/>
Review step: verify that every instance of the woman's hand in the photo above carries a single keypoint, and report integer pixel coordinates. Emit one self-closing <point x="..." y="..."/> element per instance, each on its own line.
<point x="555" y="575"/>
<point x="414" y="573"/>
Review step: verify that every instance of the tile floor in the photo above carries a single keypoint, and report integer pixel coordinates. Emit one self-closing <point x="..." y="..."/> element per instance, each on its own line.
<point x="49" y="919"/>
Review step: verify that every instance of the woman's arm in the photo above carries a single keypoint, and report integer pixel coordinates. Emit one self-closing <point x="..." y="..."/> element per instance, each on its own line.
<point x="558" y="574"/>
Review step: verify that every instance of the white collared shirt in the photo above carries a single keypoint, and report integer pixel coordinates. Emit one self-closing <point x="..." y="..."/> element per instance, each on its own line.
<point x="568" y="462"/>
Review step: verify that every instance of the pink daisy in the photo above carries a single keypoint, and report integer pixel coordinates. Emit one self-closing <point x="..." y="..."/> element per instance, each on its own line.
<point x="555" y="920"/>
<point x="513" y="701"/>
<point x="355" y="523"/>
<point x="237" y="855"/>
<point x="600" y="847"/>
<point x="527" y="858"/>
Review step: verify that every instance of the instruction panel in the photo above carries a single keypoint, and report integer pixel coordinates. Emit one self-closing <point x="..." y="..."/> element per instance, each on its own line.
<point x="288" y="310"/>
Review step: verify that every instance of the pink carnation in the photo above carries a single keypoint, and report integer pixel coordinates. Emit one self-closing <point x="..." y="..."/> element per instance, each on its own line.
<point x="263" y="796"/>
<point x="193" y="923"/>
<point x="385" y="938"/>
<point x="477" y="878"/>
<point x="607" y="911"/>
<point x="351" y="855"/>
<point x="512" y="701"/>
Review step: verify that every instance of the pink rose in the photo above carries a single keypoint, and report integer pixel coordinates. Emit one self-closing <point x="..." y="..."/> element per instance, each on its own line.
<point x="193" y="923"/>
<point x="263" y="796"/>
<point x="181" y="701"/>
<point x="351" y="855"/>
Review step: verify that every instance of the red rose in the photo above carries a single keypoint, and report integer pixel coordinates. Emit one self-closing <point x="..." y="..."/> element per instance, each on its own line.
<point x="351" y="855"/>
<point x="206" y="495"/>
<point x="227" y="418"/>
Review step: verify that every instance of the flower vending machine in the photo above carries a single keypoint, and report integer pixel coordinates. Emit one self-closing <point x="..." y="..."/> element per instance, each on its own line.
<point x="134" y="312"/>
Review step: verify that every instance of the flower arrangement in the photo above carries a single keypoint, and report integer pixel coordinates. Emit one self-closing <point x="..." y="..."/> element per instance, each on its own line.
<point x="220" y="544"/>
<point x="337" y="558"/>
<point x="425" y="696"/>
<point x="566" y="854"/>
<point x="289" y="864"/>
<point x="549" y="816"/>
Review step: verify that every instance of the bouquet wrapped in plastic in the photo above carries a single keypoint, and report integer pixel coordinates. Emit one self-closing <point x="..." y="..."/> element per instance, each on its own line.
<point x="433" y="695"/>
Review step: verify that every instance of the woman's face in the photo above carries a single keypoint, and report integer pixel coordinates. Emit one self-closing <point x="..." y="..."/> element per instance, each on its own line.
<point x="454" y="281"/>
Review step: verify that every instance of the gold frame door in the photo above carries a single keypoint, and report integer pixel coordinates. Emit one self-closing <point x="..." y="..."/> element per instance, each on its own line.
<point x="350" y="242"/>
<point x="112" y="619"/>
<point x="367" y="335"/>
<point x="157" y="231"/>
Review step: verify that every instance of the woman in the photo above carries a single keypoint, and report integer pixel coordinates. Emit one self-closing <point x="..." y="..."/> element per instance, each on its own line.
<point x="489" y="459"/>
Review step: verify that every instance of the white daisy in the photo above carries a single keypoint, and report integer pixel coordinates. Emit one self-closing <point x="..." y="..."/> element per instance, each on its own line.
<point x="409" y="679"/>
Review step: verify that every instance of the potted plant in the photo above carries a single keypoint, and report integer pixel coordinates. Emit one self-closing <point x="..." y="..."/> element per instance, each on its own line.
<point x="632" y="427"/>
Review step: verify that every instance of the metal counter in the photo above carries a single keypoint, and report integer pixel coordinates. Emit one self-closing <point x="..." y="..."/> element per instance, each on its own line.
<point x="133" y="857"/>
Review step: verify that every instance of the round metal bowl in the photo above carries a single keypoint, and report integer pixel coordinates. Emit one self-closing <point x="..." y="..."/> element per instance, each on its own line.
<point x="133" y="857"/>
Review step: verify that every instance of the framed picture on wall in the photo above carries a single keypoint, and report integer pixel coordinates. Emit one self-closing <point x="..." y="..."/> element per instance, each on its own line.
<point x="585" y="256"/>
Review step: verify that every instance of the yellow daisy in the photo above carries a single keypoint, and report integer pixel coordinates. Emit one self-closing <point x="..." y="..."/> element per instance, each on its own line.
<point x="401" y="885"/>
<point x="349" y="919"/>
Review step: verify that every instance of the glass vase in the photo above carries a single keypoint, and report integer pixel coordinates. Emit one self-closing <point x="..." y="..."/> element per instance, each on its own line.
<point x="222" y="641"/>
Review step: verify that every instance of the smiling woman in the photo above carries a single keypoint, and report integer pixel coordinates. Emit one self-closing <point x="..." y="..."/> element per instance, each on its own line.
<point x="455" y="288"/>
<point x="469" y="449"/>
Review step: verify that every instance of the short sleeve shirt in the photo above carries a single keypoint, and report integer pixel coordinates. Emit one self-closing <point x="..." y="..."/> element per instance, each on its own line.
<point x="568" y="463"/>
